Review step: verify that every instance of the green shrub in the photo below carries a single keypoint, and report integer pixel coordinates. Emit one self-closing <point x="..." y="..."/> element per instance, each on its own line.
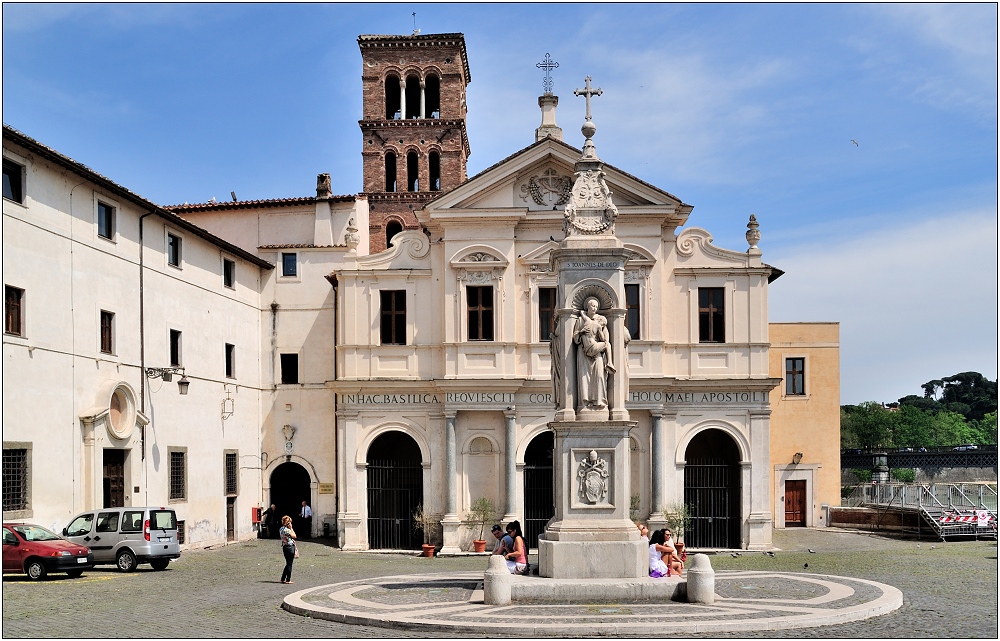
<point x="903" y="475"/>
<point x="864" y="475"/>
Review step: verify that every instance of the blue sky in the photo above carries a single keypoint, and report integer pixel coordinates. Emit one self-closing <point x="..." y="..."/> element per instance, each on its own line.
<point x="734" y="108"/>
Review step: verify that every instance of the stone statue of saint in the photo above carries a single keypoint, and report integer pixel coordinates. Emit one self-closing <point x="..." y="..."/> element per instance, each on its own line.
<point x="593" y="361"/>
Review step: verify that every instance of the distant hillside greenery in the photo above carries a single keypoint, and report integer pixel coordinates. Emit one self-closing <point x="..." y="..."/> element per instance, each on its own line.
<point x="956" y="410"/>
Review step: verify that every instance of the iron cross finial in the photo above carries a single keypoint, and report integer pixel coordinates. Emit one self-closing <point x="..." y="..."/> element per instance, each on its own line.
<point x="587" y="93"/>
<point x="547" y="65"/>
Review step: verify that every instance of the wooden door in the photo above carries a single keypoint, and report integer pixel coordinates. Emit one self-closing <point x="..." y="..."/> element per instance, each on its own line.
<point x="231" y="518"/>
<point x="114" y="478"/>
<point x="795" y="503"/>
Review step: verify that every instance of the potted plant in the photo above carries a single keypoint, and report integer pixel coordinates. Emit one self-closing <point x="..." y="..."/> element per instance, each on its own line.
<point x="481" y="511"/>
<point x="422" y="522"/>
<point x="678" y="519"/>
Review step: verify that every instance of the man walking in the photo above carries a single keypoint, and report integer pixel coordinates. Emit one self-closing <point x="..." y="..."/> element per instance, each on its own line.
<point x="307" y="520"/>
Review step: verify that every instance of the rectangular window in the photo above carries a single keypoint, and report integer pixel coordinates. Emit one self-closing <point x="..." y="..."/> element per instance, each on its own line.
<point x="393" y="317"/>
<point x="175" y="348"/>
<point x="480" y="306"/>
<point x="13" y="181"/>
<point x="229" y="273"/>
<point x="289" y="369"/>
<point x="15" y="478"/>
<point x="711" y="315"/>
<point x="230" y="361"/>
<point x="178" y="475"/>
<point x="13" y="311"/>
<point x="632" y="310"/>
<point x="795" y="376"/>
<point x="289" y="266"/>
<point x="546" y="313"/>
<point x="232" y="472"/>
<point x="107" y="332"/>
<point x="174" y="250"/>
<point x="105" y="221"/>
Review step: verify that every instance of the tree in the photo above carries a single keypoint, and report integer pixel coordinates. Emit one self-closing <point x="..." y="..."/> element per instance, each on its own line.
<point x="870" y="425"/>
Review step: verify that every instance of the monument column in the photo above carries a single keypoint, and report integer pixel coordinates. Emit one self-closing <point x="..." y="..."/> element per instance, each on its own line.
<point x="510" y="466"/>
<point x="450" y="523"/>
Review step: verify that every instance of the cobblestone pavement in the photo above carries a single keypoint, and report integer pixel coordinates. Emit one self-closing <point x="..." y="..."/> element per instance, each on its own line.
<point x="949" y="590"/>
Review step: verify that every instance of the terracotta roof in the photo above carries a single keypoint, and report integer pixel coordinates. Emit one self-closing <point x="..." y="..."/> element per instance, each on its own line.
<point x="15" y="136"/>
<point x="253" y="204"/>
<point x="416" y="40"/>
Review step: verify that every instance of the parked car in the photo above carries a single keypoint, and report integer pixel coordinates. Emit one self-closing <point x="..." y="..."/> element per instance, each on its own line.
<point x="36" y="551"/>
<point x="965" y="448"/>
<point x="128" y="536"/>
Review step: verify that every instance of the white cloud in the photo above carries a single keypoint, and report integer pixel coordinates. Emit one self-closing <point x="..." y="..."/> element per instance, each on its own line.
<point x="915" y="303"/>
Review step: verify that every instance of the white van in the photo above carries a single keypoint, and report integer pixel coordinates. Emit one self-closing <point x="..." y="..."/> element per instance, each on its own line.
<point x="127" y="536"/>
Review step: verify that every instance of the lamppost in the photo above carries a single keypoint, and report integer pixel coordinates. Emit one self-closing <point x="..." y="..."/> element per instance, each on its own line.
<point x="167" y="374"/>
<point x="880" y="467"/>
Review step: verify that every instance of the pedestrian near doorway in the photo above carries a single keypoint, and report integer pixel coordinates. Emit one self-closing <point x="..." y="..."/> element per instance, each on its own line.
<point x="288" y="548"/>
<point x="271" y="522"/>
<point x="307" y="520"/>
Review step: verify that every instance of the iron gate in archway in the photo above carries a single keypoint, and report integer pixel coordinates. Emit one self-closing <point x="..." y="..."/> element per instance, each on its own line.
<point x="395" y="489"/>
<point x="712" y="491"/>
<point x="539" y="502"/>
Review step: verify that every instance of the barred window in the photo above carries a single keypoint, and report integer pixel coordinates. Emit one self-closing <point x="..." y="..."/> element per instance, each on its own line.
<point x="15" y="480"/>
<point x="178" y="475"/>
<point x="180" y="532"/>
<point x="232" y="473"/>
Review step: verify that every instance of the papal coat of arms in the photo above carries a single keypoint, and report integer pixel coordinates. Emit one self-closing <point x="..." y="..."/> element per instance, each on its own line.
<point x="593" y="475"/>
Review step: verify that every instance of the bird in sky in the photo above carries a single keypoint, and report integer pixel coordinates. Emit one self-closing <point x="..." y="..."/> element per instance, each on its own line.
<point x="854" y="141"/>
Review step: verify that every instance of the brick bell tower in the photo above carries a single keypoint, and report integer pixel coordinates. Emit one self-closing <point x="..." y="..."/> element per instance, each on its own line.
<point x="415" y="144"/>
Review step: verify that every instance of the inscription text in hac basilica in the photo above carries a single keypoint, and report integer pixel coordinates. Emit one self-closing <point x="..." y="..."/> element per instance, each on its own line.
<point x="497" y="398"/>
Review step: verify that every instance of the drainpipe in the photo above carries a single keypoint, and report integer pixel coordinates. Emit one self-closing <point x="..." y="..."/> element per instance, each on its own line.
<point x="142" y="335"/>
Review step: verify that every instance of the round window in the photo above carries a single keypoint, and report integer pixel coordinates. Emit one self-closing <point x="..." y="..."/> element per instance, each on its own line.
<point x="120" y="418"/>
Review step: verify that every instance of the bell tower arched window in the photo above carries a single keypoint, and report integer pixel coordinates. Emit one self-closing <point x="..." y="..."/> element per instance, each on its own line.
<point x="391" y="229"/>
<point x="432" y="96"/>
<point x="390" y="171"/>
<point x="392" y="95"/>
<point x="434" y="167"/>
<point x="412" y="182"/>
<point x="413" y="93"/>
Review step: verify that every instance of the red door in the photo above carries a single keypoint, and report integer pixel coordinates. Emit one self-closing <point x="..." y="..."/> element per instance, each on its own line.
<point x="795" y="503"/>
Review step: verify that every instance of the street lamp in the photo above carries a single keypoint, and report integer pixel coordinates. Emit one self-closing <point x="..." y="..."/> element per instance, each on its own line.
<point x="167" y="374"/>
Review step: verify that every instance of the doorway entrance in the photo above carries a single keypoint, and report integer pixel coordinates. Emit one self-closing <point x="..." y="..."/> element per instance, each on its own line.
<point x="114" y="478"/>
<point x="712" y="491"/>
<point x="395" y="489"/>
<point x="795" y="503"/>
<point x="289" y="487"/>
<point x="539" y="497"/>
<point x="230" y="518"/>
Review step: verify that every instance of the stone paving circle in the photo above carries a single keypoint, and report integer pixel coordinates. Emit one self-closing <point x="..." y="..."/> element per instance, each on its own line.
<point x="453" y="603"/>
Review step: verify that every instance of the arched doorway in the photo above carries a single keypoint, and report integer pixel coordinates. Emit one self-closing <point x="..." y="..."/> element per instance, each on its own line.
<point x="712" y="491"/>
<point x="395" y="489"/>
<point x="539" y="498"/>
<point x="289" y="487"/>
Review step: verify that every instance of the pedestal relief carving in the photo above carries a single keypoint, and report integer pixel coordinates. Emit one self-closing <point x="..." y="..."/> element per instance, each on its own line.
<point x="593" y="473"/>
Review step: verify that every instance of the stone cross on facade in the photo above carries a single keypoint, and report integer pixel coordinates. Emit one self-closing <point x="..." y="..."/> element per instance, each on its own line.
<point x="547" y="64"/>
<point x="587" y="92"/>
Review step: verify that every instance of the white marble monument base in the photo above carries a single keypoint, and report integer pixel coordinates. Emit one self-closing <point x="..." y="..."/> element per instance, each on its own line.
<point x="593" y="559"/>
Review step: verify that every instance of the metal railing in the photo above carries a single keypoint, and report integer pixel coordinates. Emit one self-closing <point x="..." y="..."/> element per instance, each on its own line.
<point x="939" y="504"/>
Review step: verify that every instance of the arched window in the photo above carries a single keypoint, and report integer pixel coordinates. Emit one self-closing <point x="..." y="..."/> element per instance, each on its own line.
<point x="413" y="97"/>
<point x="392" y="98"/>
<point x="391" y="229"/>
<point x="412" y="182"/>
<point x="432" y="96"/>
<point x="390" y="171"/>
<point x="434" y="167"/>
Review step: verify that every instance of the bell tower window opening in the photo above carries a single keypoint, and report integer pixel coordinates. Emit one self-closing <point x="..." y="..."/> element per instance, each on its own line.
<point x="391" y="229"/>
<point x="390" y="172"/>
<point x="392" y="96"/>
<point x="434" y="166"/>
<point x="412" y="179"/>
<point x="432" y="96"/>
<point x="414" y="98"/>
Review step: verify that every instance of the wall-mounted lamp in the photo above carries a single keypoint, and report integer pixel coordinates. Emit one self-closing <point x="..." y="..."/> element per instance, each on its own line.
<point x="167" y="374"/>
<point x="796" y="458"/>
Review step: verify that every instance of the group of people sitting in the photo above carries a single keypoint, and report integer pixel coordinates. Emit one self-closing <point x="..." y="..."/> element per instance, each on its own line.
<point x="511" y="546"/>
<point x="666" y="557"/>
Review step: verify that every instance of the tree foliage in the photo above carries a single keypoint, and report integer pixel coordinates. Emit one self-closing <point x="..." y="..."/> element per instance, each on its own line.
<point x="954" y="410"/>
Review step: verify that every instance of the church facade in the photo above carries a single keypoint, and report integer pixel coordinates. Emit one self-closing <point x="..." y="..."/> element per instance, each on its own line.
<point x="404" y="338"/>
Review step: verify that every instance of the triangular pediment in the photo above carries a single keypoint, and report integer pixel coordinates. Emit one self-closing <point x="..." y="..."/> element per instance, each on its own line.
<point x="536" y="181"/>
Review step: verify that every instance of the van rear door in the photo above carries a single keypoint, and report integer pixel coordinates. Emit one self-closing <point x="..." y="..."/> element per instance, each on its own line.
<point x="163" y="530"/>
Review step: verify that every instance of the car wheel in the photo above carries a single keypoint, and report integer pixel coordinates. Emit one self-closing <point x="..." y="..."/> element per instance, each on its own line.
<point x="35" y="570"/>
<point x="126" y="561"/>
<point x="74" y="574"/>
<point x="160" y="564"/>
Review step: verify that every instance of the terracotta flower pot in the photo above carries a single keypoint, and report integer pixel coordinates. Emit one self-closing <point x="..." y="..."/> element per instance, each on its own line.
<point x="428" y="549"/>
<point x="479" y="545"/>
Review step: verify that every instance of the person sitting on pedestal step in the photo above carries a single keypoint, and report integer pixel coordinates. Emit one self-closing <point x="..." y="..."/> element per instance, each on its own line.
<point x="643" y="532"/>
<point x="662" y="561"/>
<point x="517" y="558"/>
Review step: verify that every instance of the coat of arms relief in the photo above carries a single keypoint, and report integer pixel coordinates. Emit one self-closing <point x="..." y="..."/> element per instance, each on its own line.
<point x="548" y="189"/>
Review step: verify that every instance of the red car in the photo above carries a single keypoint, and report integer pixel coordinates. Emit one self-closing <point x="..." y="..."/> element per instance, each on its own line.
<point x="35" y="551"/>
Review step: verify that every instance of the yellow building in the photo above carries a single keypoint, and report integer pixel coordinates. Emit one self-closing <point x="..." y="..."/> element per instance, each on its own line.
<point x="805" y="422"/>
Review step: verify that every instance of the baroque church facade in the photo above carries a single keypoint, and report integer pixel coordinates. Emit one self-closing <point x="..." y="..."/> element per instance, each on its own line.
<point x="400" y="342"/>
